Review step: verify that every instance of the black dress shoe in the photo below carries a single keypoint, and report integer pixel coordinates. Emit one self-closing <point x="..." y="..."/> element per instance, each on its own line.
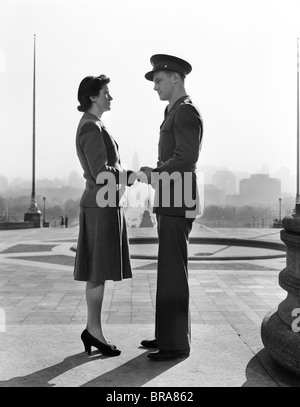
<point x="168" y="355"/>
<point x="89" y="341"/>
<point x="149" y="344"/>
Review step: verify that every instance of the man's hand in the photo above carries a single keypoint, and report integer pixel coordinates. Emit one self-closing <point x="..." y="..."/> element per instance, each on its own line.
<point x="147" y="171"/>
<point x="142" y="177"/>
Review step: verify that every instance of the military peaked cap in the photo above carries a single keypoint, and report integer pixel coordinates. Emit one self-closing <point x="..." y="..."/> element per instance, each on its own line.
<point x="162" y="62"/>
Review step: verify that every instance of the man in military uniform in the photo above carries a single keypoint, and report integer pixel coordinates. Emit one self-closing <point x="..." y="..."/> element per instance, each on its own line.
<point x="176" y="205"/>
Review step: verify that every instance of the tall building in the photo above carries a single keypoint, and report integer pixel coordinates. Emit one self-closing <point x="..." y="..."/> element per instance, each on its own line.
<point x="213" y="195"/>
<point x="3" y="183"/>
<point x="135" y="161"/>
<point x="225" y="180"/>
<point x="288" y="180"/>
<point x="260" y="189"/>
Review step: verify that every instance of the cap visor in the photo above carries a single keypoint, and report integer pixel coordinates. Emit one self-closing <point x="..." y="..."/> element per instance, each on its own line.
<point x="149" y="75"/>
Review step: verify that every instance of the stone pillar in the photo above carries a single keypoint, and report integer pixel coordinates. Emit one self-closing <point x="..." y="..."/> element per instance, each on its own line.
<point x="33" y="217"/>
<point x="280" y="329"/>
<point x="33" y="214"/>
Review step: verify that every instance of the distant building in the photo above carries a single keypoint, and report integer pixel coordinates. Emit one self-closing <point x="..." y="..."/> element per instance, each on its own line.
<point x="260" y="189"/>
<point x="288" y="180"/>
<point x="233" y="200"/>
<point x="135" y="162"/>
<point x="213" y="195"/>
<point x="75" y="180"/>
<point x="225" y="180"/>
<point x="3" y="183"/>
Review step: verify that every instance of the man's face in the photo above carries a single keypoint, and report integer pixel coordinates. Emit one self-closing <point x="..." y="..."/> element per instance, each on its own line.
<point x="163" y="85"/>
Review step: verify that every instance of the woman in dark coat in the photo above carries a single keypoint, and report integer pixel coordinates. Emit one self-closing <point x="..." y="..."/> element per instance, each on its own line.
<point x="102" y="249"/>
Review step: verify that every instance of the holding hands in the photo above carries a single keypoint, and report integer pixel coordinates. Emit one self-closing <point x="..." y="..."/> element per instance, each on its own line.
<point x="146" y="174"/>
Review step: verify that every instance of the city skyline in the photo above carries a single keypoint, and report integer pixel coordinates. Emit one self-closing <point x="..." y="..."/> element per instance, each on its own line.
<point x="208" y="173"/>
<point x="243" y="80"/>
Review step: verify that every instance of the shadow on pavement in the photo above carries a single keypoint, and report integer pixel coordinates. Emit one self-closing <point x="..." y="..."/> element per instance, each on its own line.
<point x="41" y="378"/>
<point x="263" y="371"/>
<point x="134" y="373"/>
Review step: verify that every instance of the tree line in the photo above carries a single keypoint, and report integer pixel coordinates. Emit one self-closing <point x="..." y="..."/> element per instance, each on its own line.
<point x="238" y="216"/>
<point x="12" y="209"/>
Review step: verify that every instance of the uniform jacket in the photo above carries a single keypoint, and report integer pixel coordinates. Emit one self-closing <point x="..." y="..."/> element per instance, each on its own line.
<point x="178" y="152"/>
<point x="98" y="152"/>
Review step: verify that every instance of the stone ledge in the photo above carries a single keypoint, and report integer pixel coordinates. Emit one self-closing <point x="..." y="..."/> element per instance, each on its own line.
<point x="16" y="225"/>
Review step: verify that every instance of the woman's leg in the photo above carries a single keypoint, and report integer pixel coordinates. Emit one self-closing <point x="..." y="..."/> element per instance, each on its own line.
<point x="94" y="299"/>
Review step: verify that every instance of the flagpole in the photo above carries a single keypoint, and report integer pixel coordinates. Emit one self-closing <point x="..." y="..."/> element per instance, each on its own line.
<point x="298" y="143"/>
<point x="33" y="213"/>
<point x="33" y="126"/>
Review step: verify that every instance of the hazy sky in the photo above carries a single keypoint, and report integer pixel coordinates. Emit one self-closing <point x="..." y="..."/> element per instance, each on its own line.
<point x="244" y="77"/>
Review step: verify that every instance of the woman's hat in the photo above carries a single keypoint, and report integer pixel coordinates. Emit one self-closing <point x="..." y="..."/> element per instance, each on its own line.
<point x="162" y="62"/>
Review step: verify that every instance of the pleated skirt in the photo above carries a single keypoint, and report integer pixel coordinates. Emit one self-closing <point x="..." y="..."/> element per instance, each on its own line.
<point x="102" y="248"/>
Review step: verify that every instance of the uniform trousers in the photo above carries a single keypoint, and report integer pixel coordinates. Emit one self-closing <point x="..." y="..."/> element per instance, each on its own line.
<point x="172" y="318"/>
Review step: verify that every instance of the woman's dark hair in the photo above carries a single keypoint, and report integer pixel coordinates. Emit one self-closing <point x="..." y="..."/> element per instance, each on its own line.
<point x="90" y="86"/>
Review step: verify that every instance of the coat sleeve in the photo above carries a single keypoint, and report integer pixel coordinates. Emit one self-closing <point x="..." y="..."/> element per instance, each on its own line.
<point x="188" y="136"/>
<point x="93" y="146"/>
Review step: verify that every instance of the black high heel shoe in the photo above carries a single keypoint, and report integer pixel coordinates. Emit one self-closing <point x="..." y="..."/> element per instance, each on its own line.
<point x="110" y="344"/>
<point x="89" y="341"/>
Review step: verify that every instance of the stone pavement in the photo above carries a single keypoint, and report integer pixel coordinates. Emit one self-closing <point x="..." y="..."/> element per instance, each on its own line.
<point x="43" y="311"/>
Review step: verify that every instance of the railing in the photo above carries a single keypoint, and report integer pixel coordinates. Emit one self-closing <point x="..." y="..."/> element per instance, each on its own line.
<point x="233" y="223"/>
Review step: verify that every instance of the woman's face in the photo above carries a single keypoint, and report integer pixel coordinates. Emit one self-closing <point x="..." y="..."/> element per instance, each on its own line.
<point x="102" y="101"/>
